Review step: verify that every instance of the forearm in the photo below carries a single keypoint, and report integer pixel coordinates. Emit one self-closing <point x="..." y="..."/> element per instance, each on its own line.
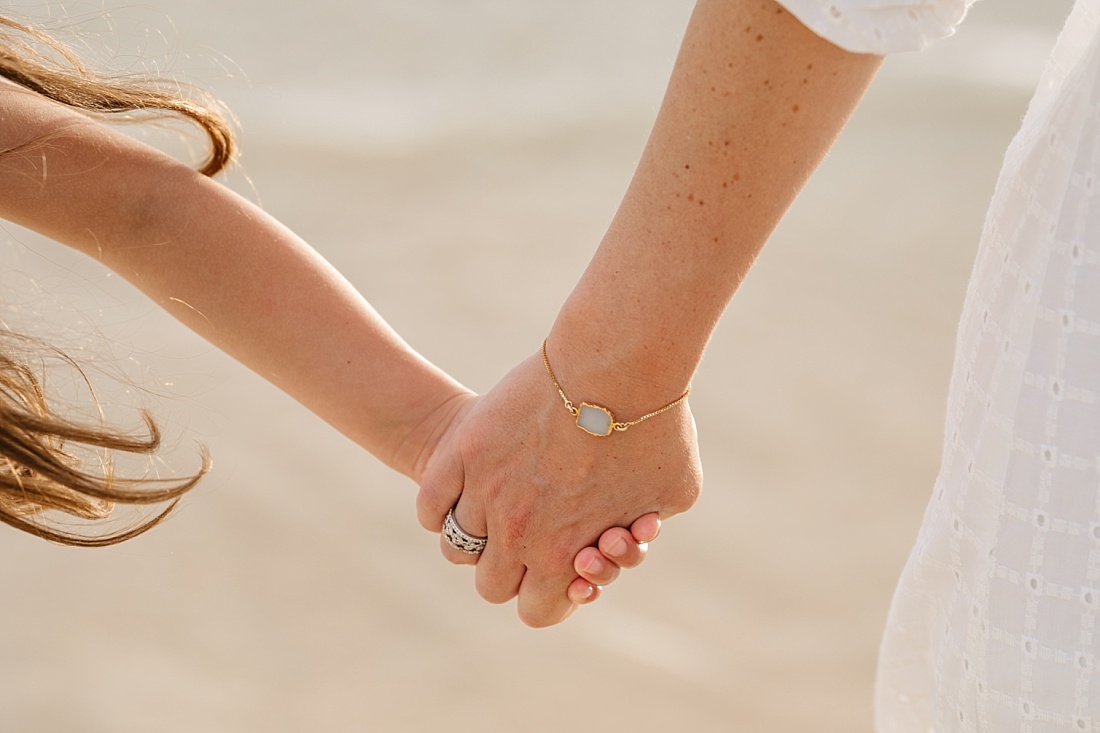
<point x="255" y="290"/>
<point x="754" y="102"/>
<point x="227" y="270"/>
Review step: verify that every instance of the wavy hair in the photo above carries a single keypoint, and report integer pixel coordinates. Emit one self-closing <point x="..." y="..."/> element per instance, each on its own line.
<point x="37" y="61"/>
<point x="50" y="463"/>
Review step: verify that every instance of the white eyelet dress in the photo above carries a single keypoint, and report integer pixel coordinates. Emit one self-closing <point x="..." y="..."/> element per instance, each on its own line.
<point x="995" y="625"/>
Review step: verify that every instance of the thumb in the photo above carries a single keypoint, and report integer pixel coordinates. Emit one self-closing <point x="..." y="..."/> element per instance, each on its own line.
<point x="440" y="487"/>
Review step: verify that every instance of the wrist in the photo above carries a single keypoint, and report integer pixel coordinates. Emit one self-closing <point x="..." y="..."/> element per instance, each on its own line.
<point x="427" y="431"/>
<point x="628" y="373"/>
<point x="596" y="419"/>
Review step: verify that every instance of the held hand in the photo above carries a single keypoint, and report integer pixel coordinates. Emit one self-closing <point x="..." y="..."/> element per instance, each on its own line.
<point x="519" y="472"/>
<point x="617" y="548"/>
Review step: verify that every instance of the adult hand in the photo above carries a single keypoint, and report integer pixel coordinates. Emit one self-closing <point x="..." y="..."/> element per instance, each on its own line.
<point x="518" y="471"/>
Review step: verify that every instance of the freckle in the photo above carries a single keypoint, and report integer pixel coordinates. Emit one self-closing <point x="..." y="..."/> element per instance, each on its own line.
<point x="794" y="108"/>
<point x="729" y="65"/>
<point x="691" y="197"/>
<point x="809" y="66"/>
<point x="748" y="29"/>
<point x="687" y="167"/>
<point x="727" y="144"/>
<point x="713" y="89"/>
<point x="716" y="239"/>
<point x="700" y="202"/>
<point x="760" y="37"/>
<point x="725" y="185"/>
<point x="805" y="81"/>
<point x="737" y="176"/>
<point x="677" y="195"/>
<point x="767" y="82"/>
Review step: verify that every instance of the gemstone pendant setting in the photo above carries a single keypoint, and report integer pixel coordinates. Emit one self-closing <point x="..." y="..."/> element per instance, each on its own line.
<point x="595" y="420"/>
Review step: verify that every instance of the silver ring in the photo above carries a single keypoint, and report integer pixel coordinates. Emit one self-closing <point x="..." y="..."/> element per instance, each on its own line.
<point x="458" y="539"/>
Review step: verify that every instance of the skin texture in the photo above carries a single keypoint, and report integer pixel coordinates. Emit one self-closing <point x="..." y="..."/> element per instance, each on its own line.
<point x="224" y="268"/>
<point x="754" y="102"/>
<point x="243" y="281"/>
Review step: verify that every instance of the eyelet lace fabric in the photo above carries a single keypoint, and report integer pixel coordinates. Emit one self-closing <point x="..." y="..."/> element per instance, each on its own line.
<point x="995" y="625"/>
<point x="880" y="26"/>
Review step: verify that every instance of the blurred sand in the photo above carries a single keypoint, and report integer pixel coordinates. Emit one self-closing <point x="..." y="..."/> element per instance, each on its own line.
<point x="295" y="591"/>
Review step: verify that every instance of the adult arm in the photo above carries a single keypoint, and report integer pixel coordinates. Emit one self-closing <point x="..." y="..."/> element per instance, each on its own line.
<point x="754" y="102"/>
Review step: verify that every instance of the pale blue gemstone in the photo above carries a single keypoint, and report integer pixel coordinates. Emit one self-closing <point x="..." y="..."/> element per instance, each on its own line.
<point x="594" y="419"/>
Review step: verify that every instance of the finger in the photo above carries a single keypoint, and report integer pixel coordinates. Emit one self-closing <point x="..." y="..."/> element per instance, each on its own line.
<point x="593" y="567"/>
<point x="646" y="527"/>
<point x="581" y="592"/>
<point x="439" y="490"/>
<point x="618" y="546"/>
<point x="541" y="600"/>
<point x="502" y="569"/>
<point x="499" y="575"/>
<point x="456" y="557"/>
<point x="464" y="518"/>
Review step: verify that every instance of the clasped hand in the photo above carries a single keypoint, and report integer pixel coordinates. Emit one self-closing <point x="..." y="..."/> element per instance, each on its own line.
<point x="554" y="502"/>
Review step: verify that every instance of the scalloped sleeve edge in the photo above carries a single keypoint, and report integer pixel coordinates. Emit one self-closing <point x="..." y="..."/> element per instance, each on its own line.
<point x="878" y="27"/>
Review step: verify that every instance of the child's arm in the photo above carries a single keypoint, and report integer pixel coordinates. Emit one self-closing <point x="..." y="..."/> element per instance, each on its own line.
<point x="244" y="282"/>
<point x="227" y="270"/>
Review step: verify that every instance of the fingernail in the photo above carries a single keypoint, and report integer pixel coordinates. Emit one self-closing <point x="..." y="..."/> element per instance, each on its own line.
<point x="594" y="565"/>
<point x="587" y="592"/>
<point x="617" y="547"/>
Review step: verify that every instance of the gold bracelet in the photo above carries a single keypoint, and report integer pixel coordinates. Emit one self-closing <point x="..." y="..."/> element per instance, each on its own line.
<point x="596" y="419"/>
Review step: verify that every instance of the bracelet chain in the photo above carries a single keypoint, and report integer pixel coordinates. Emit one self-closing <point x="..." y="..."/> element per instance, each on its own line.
<point x="620" y="426"/>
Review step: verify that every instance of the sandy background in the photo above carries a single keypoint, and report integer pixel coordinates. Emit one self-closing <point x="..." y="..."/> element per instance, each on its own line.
<point x="459" y="161"/>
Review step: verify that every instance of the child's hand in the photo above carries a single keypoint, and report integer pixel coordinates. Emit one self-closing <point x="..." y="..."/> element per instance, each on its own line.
<point x="617" y="548"/>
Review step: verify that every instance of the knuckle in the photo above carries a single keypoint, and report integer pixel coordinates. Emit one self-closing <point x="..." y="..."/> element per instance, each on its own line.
<point x="685" y="497"/>
<point x="513" y="529"/>
<point x="558" y="555"/>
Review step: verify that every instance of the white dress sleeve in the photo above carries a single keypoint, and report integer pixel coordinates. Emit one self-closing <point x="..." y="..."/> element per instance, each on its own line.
<point x="880" y="26"/>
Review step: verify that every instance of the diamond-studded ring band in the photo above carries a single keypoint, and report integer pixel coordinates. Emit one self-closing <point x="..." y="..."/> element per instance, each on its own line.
<point x="457" y="538"/>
